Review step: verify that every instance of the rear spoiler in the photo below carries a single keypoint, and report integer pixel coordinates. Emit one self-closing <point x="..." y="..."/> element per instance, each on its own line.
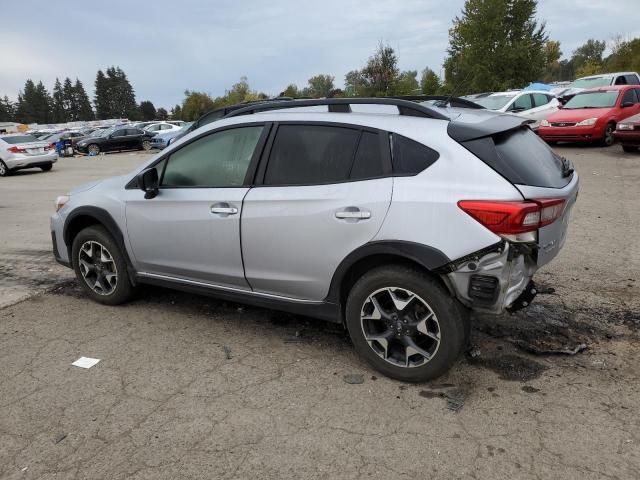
<point x="463" y="131"/>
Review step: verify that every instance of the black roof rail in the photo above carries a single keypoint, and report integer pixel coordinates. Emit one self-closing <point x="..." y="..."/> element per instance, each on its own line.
<point x="343" y="105"/>
<point x="441" y="100"/>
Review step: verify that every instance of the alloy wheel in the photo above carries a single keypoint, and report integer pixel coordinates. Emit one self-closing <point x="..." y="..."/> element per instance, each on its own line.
<point x="146" y="145"/>
<point x="608" y="135"/>
<point x="94" y="149"/>
<point x="400" y="327"/>
<point x="3" y="169"/>
<point x="98" y="268"/>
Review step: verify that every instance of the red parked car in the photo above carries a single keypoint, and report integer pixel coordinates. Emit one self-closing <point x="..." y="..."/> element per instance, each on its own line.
<point x="592" y="115"/>
<point x="628" y="133"/>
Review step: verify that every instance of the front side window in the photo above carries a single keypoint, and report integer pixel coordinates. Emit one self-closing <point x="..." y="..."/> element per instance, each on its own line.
<point x="217" y="160"/>
<point x="311" y="154"/>
<point x="630" y="96"/>
<point x="494" y="102"/>
<point x="522" y="103"/>
<point x="541" y="99"/>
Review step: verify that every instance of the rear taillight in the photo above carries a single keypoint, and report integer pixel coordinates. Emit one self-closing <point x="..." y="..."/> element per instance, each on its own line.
<point x="512" y="219"/>
<point x="16" y="149"/>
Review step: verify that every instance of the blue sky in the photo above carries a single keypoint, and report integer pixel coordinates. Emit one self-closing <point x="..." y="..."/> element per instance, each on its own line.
<point x="166" y="47"/>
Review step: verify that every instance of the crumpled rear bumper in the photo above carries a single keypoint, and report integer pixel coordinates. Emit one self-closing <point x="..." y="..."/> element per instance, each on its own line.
<point x="493" y="281"/>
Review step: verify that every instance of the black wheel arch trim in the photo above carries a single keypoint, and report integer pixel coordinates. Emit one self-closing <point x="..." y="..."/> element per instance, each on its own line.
<point x="105" y="219"/>
<point x="428" y="257"/>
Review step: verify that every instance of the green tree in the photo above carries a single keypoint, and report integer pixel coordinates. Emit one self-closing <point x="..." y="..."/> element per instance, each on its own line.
<point x="429" y="82"/>
<point x="589" y="68"/>
<point x="34" y="104"/>
<point x="59" y="112"/>
<point x="69" y="100"/>
<point x="114" y="95"/>
<point x="588" y="54"/>
<point x="552" y="54"/>
<point x="162" y="114"/>
<point x="291" y="91"/>
<point x="195" y="105"/>
<point x="377" y="78"/>
<point x="495" y="45"/>
<point x="101" y="97"/>
<point x="406" y="83"/>
<point x="7" y="110"/>
<point x="84" y="110"/>
<point x="147" y="110"/>
<point x="176" y="112"/>
<point x="625" y="56"/>
<point x="320" y="86"/>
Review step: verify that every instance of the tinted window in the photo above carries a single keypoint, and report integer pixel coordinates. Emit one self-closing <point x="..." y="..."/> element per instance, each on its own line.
<point x="165" y="127"/>
<point x="411" y="157"/>
<point x="133" y="131"/>
<point x="369" y="161"/>
<point x="521" y="157"/>
<point x="632" y="80"/>
<point x="621" y="81"/>
<point x="630" y="96"/>
<point x="311" y="154"/>
<point x="119" y="133"/>
<point x="541" y="99"/>
<point x="155" y="128"/>
<point x="217" y="160"/>
<point x="19" y="139"/>
<point x="522" y="103"/>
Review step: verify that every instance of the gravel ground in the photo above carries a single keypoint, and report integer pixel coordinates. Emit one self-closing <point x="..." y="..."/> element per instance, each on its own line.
<point x="190" y="387"/>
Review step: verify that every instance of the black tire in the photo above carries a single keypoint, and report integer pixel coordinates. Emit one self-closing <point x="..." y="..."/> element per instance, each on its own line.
<point x="47" y="167"/>
<point x="608" y="139"/>
<point x="4" y="170"/>
<point x="146" y="145"/>
<point x="93" y="149"/>
<point x="122" y="290"/>
<point x="629" y="148"/>
<point x="452" y="320"/>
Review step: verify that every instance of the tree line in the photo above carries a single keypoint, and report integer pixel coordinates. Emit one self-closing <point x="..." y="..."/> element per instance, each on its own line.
<point x="493" y="45"/>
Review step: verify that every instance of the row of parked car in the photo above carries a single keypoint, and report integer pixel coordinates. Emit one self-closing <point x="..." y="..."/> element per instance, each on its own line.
<point x="599" y="108"/>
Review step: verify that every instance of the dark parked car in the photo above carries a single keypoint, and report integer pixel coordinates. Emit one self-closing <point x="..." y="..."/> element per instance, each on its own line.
<point x="628" y="133"/>
<point x="113" y="139"/>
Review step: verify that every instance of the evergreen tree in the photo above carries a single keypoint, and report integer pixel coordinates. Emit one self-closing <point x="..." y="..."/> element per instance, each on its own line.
<point x="7" y="110"/>
<point x="176" y="112"/>
<point x="429" y="82"/>
<point x="58" y="113"/>
<point x="162" y="114"/>
<point x="70" y="104"/>
<point x="495" y="45"/>
<point x="101" y="97"/>
<point x="147" y="110"/>
<point x="82" y="101"/>
<point x="42" y="104"/>
<point x="34" y="104"/>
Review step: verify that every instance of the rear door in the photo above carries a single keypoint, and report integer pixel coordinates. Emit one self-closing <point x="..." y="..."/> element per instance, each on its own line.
<point x="191" y="229"/>
<point x="323" y="192"/>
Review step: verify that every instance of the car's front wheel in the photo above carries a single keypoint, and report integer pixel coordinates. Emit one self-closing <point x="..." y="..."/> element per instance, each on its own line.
<point x="146" y="145"/>
<point x="608" y="139"/>
<point x="93" y="149"/>
<point x="4" y="170"/>
<point x="100" y="266"/>
<point x="405" y="324"/>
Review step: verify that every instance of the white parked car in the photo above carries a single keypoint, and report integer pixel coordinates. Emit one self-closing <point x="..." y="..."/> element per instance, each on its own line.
<point x="20" y="151"/>
<point x="594" y="81"/>
<point x="161" y="127"/>
<point x="532" y="104"/>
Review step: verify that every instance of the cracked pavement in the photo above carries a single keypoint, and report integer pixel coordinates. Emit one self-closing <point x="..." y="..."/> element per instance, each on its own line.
<point x="192" y="387"/>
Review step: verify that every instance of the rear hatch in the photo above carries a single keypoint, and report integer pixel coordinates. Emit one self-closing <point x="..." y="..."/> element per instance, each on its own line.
<point x="510" y="148"/>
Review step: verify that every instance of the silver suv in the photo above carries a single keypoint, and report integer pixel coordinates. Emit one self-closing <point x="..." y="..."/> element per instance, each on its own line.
<point x="390" y="216"/>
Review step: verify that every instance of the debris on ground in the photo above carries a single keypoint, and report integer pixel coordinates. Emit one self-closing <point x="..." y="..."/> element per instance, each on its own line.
<point x="474" y="351"/>
<point x="60" y="437"/>
<point x="85" y="362"/>
<point x="540" y="348"/>
<point x="354" y="378"/>
<point x="455" y="397"/>
<point x="227" y="351"/>
<point x="530" y="389"/>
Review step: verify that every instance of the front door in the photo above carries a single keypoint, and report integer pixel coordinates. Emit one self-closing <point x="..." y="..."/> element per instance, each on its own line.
<point x="191" y="229"/>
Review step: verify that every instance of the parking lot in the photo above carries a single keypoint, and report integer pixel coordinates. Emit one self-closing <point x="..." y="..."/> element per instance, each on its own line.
<point x="191" y="387"/>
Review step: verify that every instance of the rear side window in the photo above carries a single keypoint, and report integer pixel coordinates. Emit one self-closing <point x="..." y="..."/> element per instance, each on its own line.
<point x="521" y="157"/>
<point x="411" y="157"/>
<point x="632" y="80"/>
<point x="311" y="154"/>
<point x="369" y="162"/>
<point x="19" y="139"/>
<point x="541" y="99"/>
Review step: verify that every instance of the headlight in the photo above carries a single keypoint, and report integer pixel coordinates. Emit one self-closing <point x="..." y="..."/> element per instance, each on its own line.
<point x="587" y="123"/>
<point x="544" y="123"/>
<point x="61" y="201"/>
<point x="624" y="126"/>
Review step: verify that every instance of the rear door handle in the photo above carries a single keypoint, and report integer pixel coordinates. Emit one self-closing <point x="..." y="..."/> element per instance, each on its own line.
<point x="353" y="213"/>
<point x="223" y="209"/>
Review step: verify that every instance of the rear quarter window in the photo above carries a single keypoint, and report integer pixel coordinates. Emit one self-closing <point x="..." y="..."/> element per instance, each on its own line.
<point x="411" y="157"/>
<point x="521" y="157"/>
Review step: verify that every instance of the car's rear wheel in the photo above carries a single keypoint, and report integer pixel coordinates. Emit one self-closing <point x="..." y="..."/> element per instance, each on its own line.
<point x="47" y="167"/>
<point x="146" y="145"/>
<point x="629" y="148"/>
<point x="93" y="149"/>
<point x="608" y="139"/>
<point x="404" y="323"/>
<point x="100" y="266"/>
<point x="4" y="170"/>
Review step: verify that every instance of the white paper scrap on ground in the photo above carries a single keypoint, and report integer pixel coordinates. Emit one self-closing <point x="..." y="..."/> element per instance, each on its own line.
<point x="85" y="362"/>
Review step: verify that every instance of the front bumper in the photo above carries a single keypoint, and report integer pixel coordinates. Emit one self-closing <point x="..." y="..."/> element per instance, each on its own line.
<point x="571" y="134"/>
<point x="627" y="137"/>
<point x="29" y="161"/>
<point x="60" y="250"/>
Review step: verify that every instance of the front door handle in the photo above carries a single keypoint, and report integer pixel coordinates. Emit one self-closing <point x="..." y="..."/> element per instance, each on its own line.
<point x="223" y="209"/>
<point x="353" y="213"/>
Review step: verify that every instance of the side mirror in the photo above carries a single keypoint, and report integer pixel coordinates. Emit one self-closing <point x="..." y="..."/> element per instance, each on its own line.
<point x="627" y="104"/>
<point x="148" y="182"/>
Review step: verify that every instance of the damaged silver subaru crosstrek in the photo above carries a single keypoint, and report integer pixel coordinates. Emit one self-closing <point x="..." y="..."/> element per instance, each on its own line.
<point x="393" y="217"/>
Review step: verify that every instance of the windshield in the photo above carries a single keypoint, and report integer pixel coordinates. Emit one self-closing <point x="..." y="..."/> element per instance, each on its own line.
<point x="19" y="139"/>
<point x="604" y="99"/>
<point x="494" y="102"/>
<point x="591" y="82"/>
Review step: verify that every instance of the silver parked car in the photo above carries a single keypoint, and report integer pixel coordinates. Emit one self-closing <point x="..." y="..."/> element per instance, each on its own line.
<point x="21" y="151"/>
<point x="395" y="223"/>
